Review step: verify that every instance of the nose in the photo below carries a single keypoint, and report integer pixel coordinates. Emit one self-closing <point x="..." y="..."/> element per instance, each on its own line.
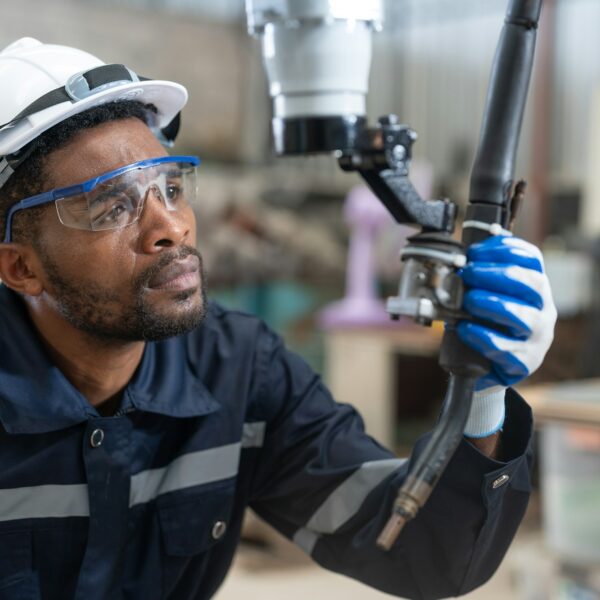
<point x="160" y="228"/>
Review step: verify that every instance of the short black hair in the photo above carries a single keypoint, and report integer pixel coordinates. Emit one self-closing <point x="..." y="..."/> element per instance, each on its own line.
<point x="30" y="177"/>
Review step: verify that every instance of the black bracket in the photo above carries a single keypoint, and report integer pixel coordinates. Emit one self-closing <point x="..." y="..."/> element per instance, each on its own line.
<point x="382" y="157"/>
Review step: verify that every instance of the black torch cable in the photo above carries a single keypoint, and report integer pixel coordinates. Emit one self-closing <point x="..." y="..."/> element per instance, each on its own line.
<point x="432" y="461"/>
<point x="490" y="193"/>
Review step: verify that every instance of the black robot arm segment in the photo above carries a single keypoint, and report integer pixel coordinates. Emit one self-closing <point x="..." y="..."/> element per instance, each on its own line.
<point x="492" y="175"/>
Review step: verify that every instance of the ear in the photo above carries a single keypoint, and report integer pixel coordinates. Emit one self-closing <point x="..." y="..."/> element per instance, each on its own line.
<point x="18" y="270"/>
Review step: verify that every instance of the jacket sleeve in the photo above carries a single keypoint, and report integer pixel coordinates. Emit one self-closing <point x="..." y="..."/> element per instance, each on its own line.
<point x="328" y="486"/>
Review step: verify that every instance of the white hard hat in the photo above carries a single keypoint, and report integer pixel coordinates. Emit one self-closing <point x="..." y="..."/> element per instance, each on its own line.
<point x="44" y="84"/>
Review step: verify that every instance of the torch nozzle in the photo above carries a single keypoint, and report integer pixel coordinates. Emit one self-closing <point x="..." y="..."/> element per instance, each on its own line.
<point x="405" y="509"/>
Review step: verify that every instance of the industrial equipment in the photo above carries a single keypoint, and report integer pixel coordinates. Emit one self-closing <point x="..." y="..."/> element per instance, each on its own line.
<point x="317" y="55"/>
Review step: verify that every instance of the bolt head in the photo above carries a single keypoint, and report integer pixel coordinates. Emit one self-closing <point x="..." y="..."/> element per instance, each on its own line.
<point x="389" y="120"/>
<point x="399" y="152"/>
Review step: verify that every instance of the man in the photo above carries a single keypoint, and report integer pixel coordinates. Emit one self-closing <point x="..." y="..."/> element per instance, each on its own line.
<point x="139" y="420"/>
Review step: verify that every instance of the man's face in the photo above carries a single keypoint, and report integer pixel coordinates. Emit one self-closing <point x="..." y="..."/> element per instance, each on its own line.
<point x="141" y="282"/>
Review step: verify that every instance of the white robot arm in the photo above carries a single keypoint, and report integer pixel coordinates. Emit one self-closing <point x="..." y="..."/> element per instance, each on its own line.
<point x="317" y="56"/>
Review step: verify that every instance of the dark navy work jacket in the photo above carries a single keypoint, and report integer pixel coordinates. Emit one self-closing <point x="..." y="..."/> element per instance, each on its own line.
<point x="148" y="504"/>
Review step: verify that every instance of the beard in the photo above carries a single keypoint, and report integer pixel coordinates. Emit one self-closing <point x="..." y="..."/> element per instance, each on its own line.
<point x="103" y="314"/>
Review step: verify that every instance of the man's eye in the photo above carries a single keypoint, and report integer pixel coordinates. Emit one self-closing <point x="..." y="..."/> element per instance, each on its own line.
<point x="115" y="215"/>
<point x="174" y="191"/>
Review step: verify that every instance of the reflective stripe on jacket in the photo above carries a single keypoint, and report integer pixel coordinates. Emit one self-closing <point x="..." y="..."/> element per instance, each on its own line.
<point x="148" y="504"/>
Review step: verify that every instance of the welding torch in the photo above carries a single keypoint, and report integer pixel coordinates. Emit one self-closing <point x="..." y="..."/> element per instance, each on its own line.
<point x="317" y="57"/>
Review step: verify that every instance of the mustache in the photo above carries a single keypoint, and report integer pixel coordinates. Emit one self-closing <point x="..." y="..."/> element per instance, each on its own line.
<point x="143" y="280"/>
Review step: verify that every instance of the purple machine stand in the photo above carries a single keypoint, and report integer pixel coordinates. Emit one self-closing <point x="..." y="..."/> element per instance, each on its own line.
<point x="361" y="307"/>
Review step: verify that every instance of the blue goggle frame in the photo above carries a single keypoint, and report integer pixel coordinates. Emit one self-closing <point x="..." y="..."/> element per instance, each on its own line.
<point x="87" y="186"/>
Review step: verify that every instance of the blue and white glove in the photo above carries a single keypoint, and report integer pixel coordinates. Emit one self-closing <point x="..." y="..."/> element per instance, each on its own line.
<point x="505" y="286"/>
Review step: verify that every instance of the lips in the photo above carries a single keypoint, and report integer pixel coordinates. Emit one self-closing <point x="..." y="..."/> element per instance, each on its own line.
<point x="177" y="274"/>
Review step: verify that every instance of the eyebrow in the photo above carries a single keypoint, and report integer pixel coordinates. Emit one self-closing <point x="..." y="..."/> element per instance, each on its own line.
<point x="107" y="193"/>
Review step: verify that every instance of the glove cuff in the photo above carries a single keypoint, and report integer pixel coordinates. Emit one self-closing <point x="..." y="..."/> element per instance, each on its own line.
<point x="487" y="412"/>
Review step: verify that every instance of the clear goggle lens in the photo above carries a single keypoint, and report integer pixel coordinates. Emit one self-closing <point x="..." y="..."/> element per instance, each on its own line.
<point x="119" y="201"/>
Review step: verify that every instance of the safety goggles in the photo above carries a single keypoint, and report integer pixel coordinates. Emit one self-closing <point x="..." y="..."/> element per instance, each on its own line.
<point x="116" y="199"/>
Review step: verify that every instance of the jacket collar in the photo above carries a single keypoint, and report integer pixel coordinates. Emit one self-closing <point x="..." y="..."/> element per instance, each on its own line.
<point x="35" y="397"/>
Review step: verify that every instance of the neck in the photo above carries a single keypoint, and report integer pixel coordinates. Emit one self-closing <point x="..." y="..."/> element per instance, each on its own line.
<point x="98" y="368"/>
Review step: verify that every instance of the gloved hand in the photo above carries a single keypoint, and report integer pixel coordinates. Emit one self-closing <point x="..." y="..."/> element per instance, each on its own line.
<point x="505" y="286"/>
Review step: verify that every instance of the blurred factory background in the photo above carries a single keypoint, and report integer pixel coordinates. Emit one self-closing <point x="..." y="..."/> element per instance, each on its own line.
<point x="275" y="234"/>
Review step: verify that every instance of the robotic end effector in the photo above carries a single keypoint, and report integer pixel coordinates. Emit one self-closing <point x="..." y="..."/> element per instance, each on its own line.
<point x="317" y="55"/>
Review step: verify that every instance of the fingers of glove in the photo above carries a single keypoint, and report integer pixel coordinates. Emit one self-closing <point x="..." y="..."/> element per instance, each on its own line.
<point x="512" y="360"/>
<point x="521" y="283"/>
<point x="529" y="353"/>
<point x="507" y="250"/>
<point x="518" y="317"/>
